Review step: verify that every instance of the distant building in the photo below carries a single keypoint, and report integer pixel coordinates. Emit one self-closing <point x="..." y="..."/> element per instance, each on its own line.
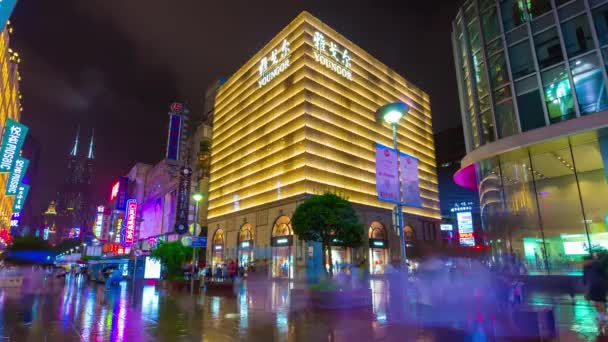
<point x="74" y="207"/>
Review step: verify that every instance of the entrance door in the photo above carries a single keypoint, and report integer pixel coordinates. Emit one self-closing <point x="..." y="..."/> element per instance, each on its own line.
<point x="282" y="262"/>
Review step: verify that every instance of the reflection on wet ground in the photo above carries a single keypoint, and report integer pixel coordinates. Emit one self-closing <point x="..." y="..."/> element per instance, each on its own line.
<point x="78" y="310"/>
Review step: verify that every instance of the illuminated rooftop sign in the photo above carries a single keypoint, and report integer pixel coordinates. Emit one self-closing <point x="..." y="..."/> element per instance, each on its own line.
<point x="332" y="57"/>
<point x="272" y="66"/>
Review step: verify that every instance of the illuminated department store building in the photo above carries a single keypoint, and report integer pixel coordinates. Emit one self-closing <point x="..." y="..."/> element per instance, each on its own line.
<point x="298" y="119"/>
<point x="532" y="82"/>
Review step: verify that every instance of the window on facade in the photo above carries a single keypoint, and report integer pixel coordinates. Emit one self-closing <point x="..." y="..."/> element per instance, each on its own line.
<point x="577" y="36"/>
<point x="600" y="18"/>
<point x="487" y="126"/>
<point x="499" y="74"/>
<point x="513" y="13"/>
<point x="481" y="78"/>
<point x="531" y="114"/>
<point x="485" y="4"/>
<point x="506" y="124"/>
<point x="489" y="24"/>
<point x="494" y="46"/>
<point x="538" y="7"/>
<point x="469" y="12"/>
<point x="589" y="84"/>
<point x="521" y="59"/>
<point x="474" y="37"/>
<point x="558" y="94"/>
<point x="548" y="50"/>
<point x="502" y="94"/>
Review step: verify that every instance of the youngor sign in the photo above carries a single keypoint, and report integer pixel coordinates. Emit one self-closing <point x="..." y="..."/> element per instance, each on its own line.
<point x="387" y="174"/>
<point x="410" y="185"/>
<point x="16" y="175"/>
<point x="328" y="54"/>
<point x="273" y="65"/>
<point x="22" y="191"/>
<point x="12" y="141"/>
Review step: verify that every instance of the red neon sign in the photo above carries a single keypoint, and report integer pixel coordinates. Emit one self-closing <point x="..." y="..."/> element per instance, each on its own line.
<point x="130" y="226"/>
<point x="114" y="192"/>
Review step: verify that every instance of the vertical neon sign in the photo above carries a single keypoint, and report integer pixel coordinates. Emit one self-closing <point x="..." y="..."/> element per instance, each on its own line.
<point x="130" y="225"/>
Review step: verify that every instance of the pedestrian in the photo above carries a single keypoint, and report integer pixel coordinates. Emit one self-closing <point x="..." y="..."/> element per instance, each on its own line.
<point x="595" y="279"/>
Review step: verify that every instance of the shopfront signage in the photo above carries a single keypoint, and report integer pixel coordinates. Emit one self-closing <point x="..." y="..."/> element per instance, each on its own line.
<point x="280" y="241"/>
<point x="99" y="221"/>
<point x="16" y="175"/>
<point x="15" y="221"/>
<point x="173" y="140"/>
<point x="218" y="247"/>
<point x="183" y="201"/>
<point x="121" y="197"/>
<point x="245" y="244"/>
<point x="331" y="56"/>
<point x="12" y="141"/>
<point x="446" y="227"/>
<point x="387" y="174"/>
<point x="22" y="191"/>
<point x="130" y="225"/>
<point x="410" y="188"/>
<point x="374" y="243"/>
<point x="273" y="65"/>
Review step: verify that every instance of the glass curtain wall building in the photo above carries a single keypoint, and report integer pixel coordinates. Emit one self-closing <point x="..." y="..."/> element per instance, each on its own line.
<point x="532" y="85"/>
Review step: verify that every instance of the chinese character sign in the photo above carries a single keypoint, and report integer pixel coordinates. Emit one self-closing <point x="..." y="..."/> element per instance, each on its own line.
<point x="131" y="219"/>
<point x="183" y="201"/>
<point x="173" y="140"/>
<point x="331" y="56"/>
<point x="16" y="175"/>
<point x="410" y="187"/>
<point x="274" y="64"/>
<point x="387" y="174"/>
<point x="121" y="197"/>
<point x="22" y="191"/>
<point x="12" y="141"/>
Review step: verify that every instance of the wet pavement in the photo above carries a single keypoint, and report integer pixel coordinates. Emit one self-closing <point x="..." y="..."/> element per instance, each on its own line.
<point x="78" y="310"/>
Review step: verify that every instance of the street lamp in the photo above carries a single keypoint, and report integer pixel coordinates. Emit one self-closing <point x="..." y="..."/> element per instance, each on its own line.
<point x="391" y="114"/>
<point x="197" y="198"/>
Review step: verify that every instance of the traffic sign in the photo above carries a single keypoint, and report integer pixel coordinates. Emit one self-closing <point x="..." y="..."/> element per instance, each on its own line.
<point x="199" y="241"/>
<point x="138" y="252"/>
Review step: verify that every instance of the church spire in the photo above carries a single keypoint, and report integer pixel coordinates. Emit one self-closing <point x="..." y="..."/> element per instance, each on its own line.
<point x="75" y="148"/>
<point x="90" y="155"/>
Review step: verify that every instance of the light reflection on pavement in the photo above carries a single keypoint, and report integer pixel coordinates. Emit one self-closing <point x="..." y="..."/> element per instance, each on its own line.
<point x="82" y="311"/>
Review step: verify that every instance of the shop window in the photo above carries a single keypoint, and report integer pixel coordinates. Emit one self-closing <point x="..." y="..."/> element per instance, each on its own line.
<point x="589" y="84"/>
<point x="531" y="114"/>
<point x="558" y="94"/>
<point x="505" y="119"/>
<point x="548" y="49"/>
<point x="521" y="59"/>
<point x="489" y="24"/>
<point x="600" y="18"/>
<point x="513" y="13"/>
<point x="577" y="36"/>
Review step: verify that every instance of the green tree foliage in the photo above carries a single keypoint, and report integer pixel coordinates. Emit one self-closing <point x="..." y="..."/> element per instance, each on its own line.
<point x="172" y="255"/>
<point x="325" y="218"/>
<point x="29" y="243"/>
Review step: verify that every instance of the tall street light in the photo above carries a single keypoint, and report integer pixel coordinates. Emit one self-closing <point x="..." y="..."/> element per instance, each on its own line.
<point x="391" y="114"/>
<point x="197" y="198"/>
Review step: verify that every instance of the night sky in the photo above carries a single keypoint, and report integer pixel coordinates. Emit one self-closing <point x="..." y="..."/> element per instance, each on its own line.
<point x="115" y="66"/>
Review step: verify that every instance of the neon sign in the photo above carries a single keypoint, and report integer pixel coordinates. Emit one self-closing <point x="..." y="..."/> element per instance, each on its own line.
<point x="12" y="141"/>
<point x="282" y="241"/>
<point x="130" y="226"/>
<point x="99" y="221"/>
<point x="337" y="59"/>
<point x="277" y="64"/>
<point x="16" y="175"/>
<point x="114" y="192"/>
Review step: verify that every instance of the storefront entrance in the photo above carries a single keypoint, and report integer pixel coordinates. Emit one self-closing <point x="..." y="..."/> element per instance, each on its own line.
<point x="245" y="245"/>
<point x="217" y="252"/>
<point x="282" y="251"/>
<point x="378" y="248"/>
<point x="341" y="259"/>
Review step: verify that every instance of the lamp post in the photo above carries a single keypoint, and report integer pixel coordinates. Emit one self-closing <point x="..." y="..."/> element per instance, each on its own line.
<point x="197" y="198"/>
<point x="391" y="114"/>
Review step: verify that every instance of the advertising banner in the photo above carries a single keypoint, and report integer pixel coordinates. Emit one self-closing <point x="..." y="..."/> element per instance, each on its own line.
<point x="175" y="128"/>
<point x="129" y="233"/>
<point x="22" y="191"/>
<point x="16" y="175"/>
<point x="465" y="228"/>
<point x="387" y="174"/>
<point x="12" y="141"/>
<point x="121" y="197"/>
<point x="410" y="185"/>
<point x="183" y="201"/>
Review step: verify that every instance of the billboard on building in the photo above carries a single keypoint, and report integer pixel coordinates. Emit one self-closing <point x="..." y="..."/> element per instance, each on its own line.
<point x="465" y="228"/>
<point x="12" y="141"/>
<point x="130" y="222"/>
<point x="173" y="140"/>
<point x="152" y="218"/>
<point x="121" y="197"/>
<point x="22" y="191"/>
<point x="387" y="174"/>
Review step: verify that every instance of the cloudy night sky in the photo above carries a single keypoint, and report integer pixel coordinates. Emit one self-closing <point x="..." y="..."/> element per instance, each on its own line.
<point x="115" y="66"/>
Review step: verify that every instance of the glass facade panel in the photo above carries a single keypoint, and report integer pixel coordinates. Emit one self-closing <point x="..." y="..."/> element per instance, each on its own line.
<point x="558" y="94"/>
<point x="489" y="24"/>
<point x="474" y="37"/>
<point x="480" y="75"/>
<point x="517" y="35"/>
<point x="548" y="50"/>
<point x="571" y="9"/>
<point x="506" y="124"/>
<point x="521" y="60"/>
<point x="531" y="113"/>
<point x="538" y="7"/>
<point x="589" y="84"/>
<point x="577" y="36"/>
<point x="513" y="13"/>
<point x="494" y="46"/>
<point x="600" y="18"/>
<point x="502" y="94"/>
<point x="542" y="23"/>
<point x="487" y="126"/>
<point x="499" y="74"/>
<point x="485" y="4"/>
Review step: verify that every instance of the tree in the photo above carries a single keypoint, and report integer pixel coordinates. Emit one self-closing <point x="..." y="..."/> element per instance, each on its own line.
<point x="172" y="255"/>
<point x="325" y="218"/>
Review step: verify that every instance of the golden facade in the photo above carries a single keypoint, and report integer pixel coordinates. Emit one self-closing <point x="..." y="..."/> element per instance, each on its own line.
<point x="10" y="107"/>
<point x="299" y="118"/>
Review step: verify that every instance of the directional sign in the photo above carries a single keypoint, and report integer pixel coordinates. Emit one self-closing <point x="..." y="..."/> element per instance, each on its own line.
<point x="199" y="241"/>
